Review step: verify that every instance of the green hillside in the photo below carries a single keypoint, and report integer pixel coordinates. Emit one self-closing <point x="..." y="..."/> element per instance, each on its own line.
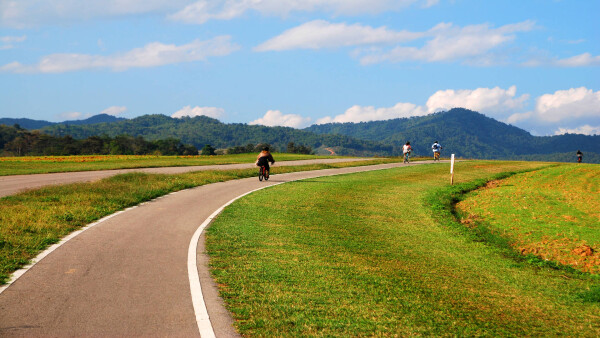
<point x="467" y="134"/>
<point x="202" y="130"/>
<point x="463" y="132"/>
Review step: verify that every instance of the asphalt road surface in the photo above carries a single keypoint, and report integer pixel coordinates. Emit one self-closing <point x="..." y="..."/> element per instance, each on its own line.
<point x="128" y="275"/>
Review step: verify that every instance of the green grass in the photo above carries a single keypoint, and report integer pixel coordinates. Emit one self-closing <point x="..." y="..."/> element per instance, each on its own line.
<point x="549" y="214"/>
<point x="33" y="220"/>
<point x="52" y="164"/>
<point x="369" y="255"/>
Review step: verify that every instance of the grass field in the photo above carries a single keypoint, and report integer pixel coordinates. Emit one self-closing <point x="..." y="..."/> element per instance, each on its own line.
<point x="53" y="164"/>
<point x="380" y="254"/>
<point x="553" y="214"/>
<point x="31" y="221"/>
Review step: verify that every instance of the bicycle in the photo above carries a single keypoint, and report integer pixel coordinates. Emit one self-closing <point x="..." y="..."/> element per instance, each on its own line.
<point x="407" y="157"/>
<point x="436" y="156"/>
<point x="263" y="173"/>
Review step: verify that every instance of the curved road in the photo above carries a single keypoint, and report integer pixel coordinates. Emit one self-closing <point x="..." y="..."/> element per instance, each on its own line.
<point x="127" y="275"/>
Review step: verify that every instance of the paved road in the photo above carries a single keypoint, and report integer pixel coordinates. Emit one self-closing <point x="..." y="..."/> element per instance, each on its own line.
<point x="127" y="276"/>
<point x="12" y="184"/>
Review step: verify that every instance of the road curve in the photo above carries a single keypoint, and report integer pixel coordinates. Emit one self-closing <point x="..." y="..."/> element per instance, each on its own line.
<point x="15" y="183"/>
<point x="127" y="275"/>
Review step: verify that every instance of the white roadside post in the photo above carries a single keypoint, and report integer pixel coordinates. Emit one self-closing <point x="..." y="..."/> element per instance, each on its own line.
<point x="452" y="169"/>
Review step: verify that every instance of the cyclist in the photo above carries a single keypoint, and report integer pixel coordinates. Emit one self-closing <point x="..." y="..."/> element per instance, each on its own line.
<point x="264" y="158"/>
<point x="579" y="156"/>
<point x="406" y="149"/>
<point x="436" y="147"/>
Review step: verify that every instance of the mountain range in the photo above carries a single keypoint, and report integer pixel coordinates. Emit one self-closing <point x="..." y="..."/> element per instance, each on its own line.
<point x="463" y="132"/>
<point x="37" y="124"/>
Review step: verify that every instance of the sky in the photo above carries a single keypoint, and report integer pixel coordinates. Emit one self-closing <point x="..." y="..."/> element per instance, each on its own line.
<point x="534" y="64"/>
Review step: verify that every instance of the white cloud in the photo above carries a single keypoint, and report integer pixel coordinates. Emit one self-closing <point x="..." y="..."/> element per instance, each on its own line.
<point x="29" y="13"/>
<point x="152" y="55"/>
<point x="568" y="104"/>
<point x="322" y="34"/>
<point x="73" y="115"/>
<point x="213" y="112"/>
<point x="369" y="113"/>
<point x="582" y="60"/>
<point x="451" y="43"/>
<point x="201" y="11"/>
<point x="7" y="42"/>
<point x="496" y="102"/>
<point x="569" y="109"/>
<point x="277" y="118"/>
<point x="114" y="110"/>
<point x="585" y="130"/>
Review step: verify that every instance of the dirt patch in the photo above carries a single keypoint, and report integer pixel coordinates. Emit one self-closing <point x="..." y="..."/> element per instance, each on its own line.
<point x="580" y="256"/>
<point x="583" y="251"/>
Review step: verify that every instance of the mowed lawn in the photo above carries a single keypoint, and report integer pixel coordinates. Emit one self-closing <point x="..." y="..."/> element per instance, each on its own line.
<point x="369" y="255"/>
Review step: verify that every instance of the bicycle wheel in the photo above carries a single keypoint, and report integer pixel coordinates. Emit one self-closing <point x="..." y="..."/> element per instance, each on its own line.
<point x="260" y="174"/>
<point x="266" y="175"/>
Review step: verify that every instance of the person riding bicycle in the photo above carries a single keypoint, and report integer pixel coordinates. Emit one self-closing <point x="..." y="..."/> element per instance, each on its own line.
<point x="579" y="156"/>
<point x="436" y="147"/>
<point x="406" y="149"/>
<point x="264" y="158"/>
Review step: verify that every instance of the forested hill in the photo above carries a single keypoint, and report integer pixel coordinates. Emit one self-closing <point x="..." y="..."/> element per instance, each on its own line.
<point x="202" y="130"/>
<point x="467" y="134"/>
<point x="37" y="124"/>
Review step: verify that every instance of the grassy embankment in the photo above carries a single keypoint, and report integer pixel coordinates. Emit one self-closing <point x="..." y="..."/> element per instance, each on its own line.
<point x="31" y="221"/>
<point x="52" y="164"/>
<point x="553" y="214"/>
<point x="380" y="254"/>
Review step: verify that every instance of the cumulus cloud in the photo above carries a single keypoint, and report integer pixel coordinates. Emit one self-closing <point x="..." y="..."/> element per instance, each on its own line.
<point x="114" y="110"/>
<point x="277" y="118"/>
<point x="569" y="109"/>
<point x="585" y="130"/>
<point x="496" y="101"/>
<point x="319" y="34"/>
<point x="451" y="43"/>
<point x="213" y="112"/>
<point x="152" y="55"/>
<point x="568" y="104"/>
<point x="369" y="113"/>
<point x="201" y="11"/>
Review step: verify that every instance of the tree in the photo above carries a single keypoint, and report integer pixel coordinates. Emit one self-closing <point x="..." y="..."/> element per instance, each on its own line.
<point x="207" y="150"/>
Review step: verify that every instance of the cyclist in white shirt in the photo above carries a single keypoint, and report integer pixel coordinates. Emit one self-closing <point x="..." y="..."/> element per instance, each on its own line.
<point x="436" y="147"/>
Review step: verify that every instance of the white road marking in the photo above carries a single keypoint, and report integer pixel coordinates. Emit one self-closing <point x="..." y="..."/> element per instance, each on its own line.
<point x="202" y="317"/>
<point x="17" y="274"/>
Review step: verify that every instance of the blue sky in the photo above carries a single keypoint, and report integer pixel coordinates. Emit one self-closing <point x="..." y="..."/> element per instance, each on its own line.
<point x="532" y="63"/>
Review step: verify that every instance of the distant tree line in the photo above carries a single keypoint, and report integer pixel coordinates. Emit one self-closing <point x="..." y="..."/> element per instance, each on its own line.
<point x="203" y="130"/>
<point x="252" y="148"/>
<point x="17" y="141"/>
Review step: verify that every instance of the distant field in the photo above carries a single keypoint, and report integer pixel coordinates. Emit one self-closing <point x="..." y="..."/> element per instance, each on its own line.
<point x="553" y="214"/>
<point x="380" y="254"/>
<point x="53" y="164"/>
